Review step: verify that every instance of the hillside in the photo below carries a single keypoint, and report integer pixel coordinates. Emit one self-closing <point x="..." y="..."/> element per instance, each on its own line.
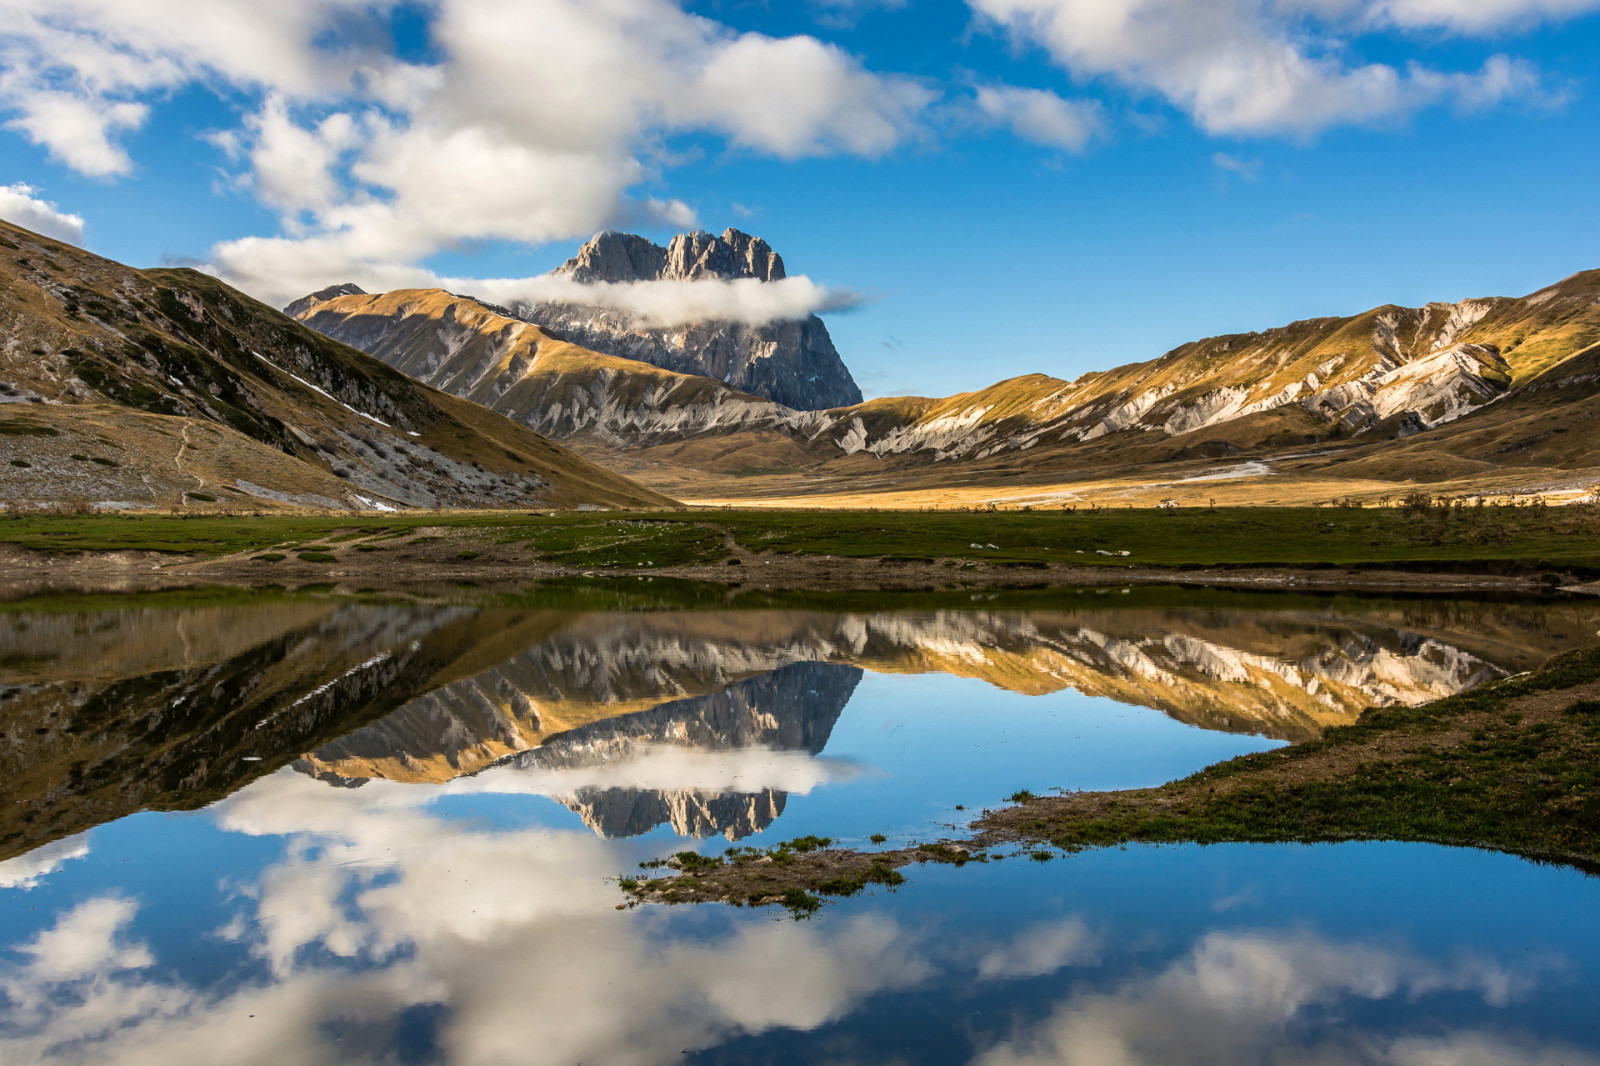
<point x="1394" y="395"/>
<point x="140" y="388"/>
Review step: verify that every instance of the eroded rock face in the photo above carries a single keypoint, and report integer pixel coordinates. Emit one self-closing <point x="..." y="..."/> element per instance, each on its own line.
<point x="621" y="257"/>
<point x="793" y="363"/>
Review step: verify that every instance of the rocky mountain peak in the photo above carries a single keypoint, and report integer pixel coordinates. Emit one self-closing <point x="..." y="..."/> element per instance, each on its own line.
<point x="623" y="257"/>
<point x="615" y="257"/>
<point x="332" y="292"/>
<point x="692" y="256"/>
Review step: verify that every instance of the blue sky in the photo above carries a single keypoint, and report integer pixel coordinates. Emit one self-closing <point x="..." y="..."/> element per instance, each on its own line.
<point x="1012" y="185"/>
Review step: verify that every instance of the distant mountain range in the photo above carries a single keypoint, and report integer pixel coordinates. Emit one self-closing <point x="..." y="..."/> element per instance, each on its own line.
<point x="1472" y="386"/>
<point x="138" y="388"/>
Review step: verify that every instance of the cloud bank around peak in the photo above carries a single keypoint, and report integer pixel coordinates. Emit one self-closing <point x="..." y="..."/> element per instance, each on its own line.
<point x="663" y="304"/>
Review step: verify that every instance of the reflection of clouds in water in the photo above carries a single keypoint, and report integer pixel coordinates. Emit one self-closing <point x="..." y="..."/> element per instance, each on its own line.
<point x="508" y="942"/>
<point x="1042" y="949"/>
<point x="670" y="768"/>
<point x="26" y="871"/>
<point x="379" y="906"/>
<point x="1250" y="998"/>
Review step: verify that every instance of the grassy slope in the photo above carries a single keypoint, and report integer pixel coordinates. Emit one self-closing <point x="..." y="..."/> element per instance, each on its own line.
<point x="179" y="344"/>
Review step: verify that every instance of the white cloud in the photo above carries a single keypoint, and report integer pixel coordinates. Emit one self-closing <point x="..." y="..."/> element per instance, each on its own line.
<point x="1040" y="116"/>
<point x="18" y="204"/>
<point x="1241" y="997"/>
<point x="1463" y="16"/>
<point x="85" y="941"/>
<point x="1253" y="66"/>
<point x="26" y="871"/>
<point x="670" y="767"/>
<point x="534" y="122"/>
<point x="659" y="304"/>
<point x="76" y="73"/>
<point x="1041" y="949"/>
<point x="435" y="910"/>
<point x="1248" y="169"/>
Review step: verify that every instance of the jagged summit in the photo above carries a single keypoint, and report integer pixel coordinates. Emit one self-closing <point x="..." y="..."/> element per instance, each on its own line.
<point x="621" y="257"/>
<point x="793" y="363"/>
<point x="332" y="292"/>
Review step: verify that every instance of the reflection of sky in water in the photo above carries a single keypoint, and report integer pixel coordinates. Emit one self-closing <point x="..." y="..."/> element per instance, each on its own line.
<point x="474" y="923"/>
<point x="297" y="923"/>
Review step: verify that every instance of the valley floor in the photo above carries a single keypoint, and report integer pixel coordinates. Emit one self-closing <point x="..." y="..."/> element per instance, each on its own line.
<point x="1420" y="549"/>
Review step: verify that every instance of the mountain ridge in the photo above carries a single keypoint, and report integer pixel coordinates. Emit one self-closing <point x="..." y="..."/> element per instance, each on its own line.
<point x="1387" y="374"/>
<point x="130" y="387"/>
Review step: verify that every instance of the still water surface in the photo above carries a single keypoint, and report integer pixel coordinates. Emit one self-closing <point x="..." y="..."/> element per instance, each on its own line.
<point x="309" y="830"/>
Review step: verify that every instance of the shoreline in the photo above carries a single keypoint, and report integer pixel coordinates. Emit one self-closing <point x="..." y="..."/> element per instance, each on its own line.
<point x="26" y="573"/>
<point x="1513" y="766"/>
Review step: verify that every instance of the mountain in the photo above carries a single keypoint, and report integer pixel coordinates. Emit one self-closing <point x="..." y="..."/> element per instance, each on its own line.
<point x="124" y="387"/>
<point x="1434" y="376"/>
<point x="792" y="363"/>
<point x="793" y="708"/>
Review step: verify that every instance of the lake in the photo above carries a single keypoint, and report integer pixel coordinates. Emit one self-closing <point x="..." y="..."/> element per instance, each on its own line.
<point x="305" y="828"/>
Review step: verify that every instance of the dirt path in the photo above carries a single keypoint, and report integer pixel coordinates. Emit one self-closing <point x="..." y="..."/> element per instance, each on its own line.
<point x="177" y="461"/>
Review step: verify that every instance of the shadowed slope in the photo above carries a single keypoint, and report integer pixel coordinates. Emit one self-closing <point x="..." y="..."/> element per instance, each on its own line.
<point x="166" y="387"/>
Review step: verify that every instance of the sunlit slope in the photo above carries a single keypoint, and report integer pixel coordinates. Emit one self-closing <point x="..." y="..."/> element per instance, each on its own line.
<point x="1388" y="374"/>
<point x="167" y="387"/>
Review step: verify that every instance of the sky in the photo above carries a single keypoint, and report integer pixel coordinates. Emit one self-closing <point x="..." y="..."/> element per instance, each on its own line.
<point x="967" y="189"/>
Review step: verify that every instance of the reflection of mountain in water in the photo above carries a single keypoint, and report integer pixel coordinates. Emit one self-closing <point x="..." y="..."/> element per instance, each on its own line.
<point x="1284" y="674"/>
<point x="792" y="709"/>
<point x="103" y="712"/>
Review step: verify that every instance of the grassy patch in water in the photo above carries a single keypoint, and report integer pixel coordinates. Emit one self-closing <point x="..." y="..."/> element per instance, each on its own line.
<point x="1513" y="766"/>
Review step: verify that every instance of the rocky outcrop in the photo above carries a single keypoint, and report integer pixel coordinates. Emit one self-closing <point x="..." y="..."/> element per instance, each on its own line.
<point x="622" y="257"/>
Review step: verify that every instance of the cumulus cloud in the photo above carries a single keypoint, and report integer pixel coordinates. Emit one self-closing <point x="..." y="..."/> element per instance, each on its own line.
<point x="75" y="74"/>
<point x="1040" y="950"/>
<point x="670" y="767"/>
<point x="26" y="871"/>
<point x="18" y="204"/>
<point x="1242" y="996"/>
<point x="436" y="911"/>
<point x="1040" y="116"/>
<point x="1256" y="67"/>
<point x="534" y="121"/>
<point x="661" y="304"/>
